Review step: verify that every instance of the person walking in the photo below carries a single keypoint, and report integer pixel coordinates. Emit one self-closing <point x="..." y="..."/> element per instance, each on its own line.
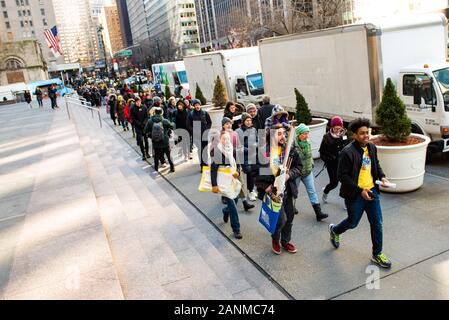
<point x="358" y="170"/>
<point x="27" y="96"/>
<point x="251" y="109"/>
<point x="270" y="169"/>
<point x="139" y="115"/>
<point x="170" y="109"/>
<point x="201" y="117"/>
<point x="128" y="117"/>
<point x="248" y="140"/>
<point x="278" y="116"/>
<point x="52" y="94"/>
<point x="233" y="110"/>
<point x="39" y="97"/>
<point x="266" y="110"/>
<point x="180" y="117"/>
<point x="305" y="153"/>
<point x="113" y="108"/>
<point x="121" y="113"/>
<point x="158" y="129"/>
<point x="332" y="144"/>
<point x="223" y="155"/>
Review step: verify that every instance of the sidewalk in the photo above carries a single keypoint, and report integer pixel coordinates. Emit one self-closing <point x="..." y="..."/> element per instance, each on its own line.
<point x="82" y="218"/>
<point x="416" y="237"/>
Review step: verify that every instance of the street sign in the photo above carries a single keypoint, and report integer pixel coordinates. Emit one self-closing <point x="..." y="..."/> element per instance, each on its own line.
<point x="124" y="53"/>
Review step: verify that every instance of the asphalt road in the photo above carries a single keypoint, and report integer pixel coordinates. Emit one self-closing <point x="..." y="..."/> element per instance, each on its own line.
<point x="439" y="165"/>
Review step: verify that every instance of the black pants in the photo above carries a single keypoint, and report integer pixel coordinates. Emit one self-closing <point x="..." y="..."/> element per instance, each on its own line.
<point x="39" y="102"/>
<point x="201" y="147"/>
<point x="159" y="155"/>
<point x="142" y="141"/>
<point x="53" y="103"/>
<point x="332" y="172"/>
<point x="284" y="226"/>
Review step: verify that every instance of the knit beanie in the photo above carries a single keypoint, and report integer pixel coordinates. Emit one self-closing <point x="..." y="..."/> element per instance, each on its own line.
<point x="196" y="101"/>
<point x="250" y="107"/>
<point x="245" y="116"/>
<point x="302" y="128"/>
<point x="225" y="120"/>
<point x="336" y="121"/>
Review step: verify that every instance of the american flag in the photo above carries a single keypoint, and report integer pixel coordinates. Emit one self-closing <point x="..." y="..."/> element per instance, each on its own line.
<point x="53" y="41"/>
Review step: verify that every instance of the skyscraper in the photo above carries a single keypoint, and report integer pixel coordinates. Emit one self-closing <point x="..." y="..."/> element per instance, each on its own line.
<point x="124" y="22"/>
<point x="26" y="20"/>
<point x="78" y="34"/>
<point x="112" y="33"/>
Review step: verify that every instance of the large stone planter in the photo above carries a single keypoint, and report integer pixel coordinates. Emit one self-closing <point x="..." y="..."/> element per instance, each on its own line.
<point x="404" y="165"/>
<point x="216" y="115"/>
<point x="317" y="131"/>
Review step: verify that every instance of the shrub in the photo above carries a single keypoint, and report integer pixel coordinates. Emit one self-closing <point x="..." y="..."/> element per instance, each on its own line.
<point x="303" y="114"/>
<point x="220" y="96"/>
<point x="199" y="95"/>
<point x="167" y="92"/>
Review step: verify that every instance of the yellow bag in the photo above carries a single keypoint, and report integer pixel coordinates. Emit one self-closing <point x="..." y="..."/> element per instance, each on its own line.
<point x="228" y="185"/>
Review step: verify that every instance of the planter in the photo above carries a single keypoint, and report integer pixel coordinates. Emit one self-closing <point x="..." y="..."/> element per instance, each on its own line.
<point x="404" y="165"/>
<point x="317" y="131"/>
<point x="216" y="115"/>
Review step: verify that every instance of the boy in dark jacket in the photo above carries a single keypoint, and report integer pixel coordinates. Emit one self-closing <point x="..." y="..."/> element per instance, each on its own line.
<point x="358" y="170"/>
<point x="139" y="115"/>
<point x="266" y="178"/>
<point x="204" y="122"/>
<point x="158" y="129"/>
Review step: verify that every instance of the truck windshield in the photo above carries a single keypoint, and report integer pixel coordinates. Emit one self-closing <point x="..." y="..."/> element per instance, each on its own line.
<point x="442" y="77"/>
<point x="255" y="83"/>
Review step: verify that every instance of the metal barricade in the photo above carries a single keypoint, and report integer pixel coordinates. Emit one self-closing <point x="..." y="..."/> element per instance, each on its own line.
<point x="81" y="102"/>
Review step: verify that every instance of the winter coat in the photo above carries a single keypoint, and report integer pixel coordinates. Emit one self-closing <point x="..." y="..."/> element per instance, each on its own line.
<point x="203" y="117"/>
<point x="217" y="159"/>
<point x="331" y="147"/>
<point x="257" y="122"/>
<point x="264" y="181"/>
<point x="121" y="111"/>
<point x="27" y="96"/>
<point x="248" y="139"/>
<point x="238" y="111"/>
<point x="112" y="106"/>
<point x="139" y="116"/>
<point x="180" y="119"/>
<point x="166" y="125"/>
<point x="39" y="94"/>
<point x="127" y="113"/>
<point x="265" y="112"/>
<point x="349" y="166"/>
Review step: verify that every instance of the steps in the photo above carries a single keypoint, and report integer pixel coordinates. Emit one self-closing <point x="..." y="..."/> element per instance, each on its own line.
<point x="160" y="251"/>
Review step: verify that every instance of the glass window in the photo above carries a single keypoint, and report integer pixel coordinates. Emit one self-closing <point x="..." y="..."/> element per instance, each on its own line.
<point x="43" y="11"/>
<point x="255" y="82"/>
<point x="3" y="3"/>
<point x="19" y="13"/>
<point x="44" y="22"/>
<point x="5" y="14"/>
<point x="21" y="24"/>
<point x="427" y="90"/>
<point x="8" y="26"/>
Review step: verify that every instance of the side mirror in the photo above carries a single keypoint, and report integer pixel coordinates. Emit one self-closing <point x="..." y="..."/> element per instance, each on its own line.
<point x="417" y="98"/>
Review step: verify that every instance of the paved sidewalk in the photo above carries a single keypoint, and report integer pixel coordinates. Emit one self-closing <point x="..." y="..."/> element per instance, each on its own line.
<point x="416" y="237"/>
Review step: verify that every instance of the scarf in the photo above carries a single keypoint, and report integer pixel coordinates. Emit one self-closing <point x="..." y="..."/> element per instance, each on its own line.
<point x="228" y="152"/>
<point x="305" y="153"/>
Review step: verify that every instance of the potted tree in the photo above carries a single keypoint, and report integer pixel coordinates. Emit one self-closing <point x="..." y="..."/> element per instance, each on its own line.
<point x="317" y="125"/>
<point x="402" y="155"/>
<point x="167" y="93"/>
<point x="199" y="95"/>
<point x="219" y="100"/>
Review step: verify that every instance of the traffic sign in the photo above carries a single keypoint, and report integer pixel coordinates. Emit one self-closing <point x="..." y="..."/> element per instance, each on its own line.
<point x="124" y="53"/>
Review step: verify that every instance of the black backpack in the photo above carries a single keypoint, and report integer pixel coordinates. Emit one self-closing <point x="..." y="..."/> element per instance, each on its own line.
<point x="157" y="133"/>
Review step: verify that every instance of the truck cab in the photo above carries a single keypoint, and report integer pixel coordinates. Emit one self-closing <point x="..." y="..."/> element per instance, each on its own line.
<point x="249" y="88"/>
<point x="425" y="92"/>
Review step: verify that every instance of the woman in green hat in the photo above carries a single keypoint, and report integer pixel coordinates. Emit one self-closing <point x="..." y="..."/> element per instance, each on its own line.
<point x="305" y="153"/>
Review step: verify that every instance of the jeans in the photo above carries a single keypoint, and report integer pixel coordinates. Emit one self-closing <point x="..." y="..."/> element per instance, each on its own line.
<point x="284" y="226"/>
<point x="250" y="177"/>
<point x="142" y="141"/>
<point x="159" y="156"/>
<point x="232" y="211"/>
<point x="374" y="212"/>
<point x="309" y="183"/>
<point x="332" y="172"/>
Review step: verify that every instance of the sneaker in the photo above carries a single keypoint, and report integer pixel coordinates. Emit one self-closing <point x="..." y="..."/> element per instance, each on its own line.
<point x="276" y="247"/>
<point x="164" y="165"/>
<point x="290" y="247"/>
<point x="143" y="158"/>
<point x="252" y="197"/>
<point x="238" y="235"/>
<point x="334" y="238"/>
<point x="147" y="155"/>
<point x="324" y="197"/>
<point x="381" y="260"/>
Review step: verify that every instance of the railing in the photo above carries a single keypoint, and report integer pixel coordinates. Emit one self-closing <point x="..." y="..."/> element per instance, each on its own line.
<point x="81" y="102"/>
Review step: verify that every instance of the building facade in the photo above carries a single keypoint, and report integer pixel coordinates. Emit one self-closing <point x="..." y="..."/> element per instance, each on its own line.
<point x="21" y="61"/>
<point x="112" y="33"/>
<point x="125" y="26"/>
<point x="167" y="29"/>
<point x="27" y="20"/>
<point x="78" y="34"/>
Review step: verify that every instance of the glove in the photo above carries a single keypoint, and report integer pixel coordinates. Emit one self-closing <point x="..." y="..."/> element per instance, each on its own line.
<point x="236" y="174"/>
<point x="215" y="189"/>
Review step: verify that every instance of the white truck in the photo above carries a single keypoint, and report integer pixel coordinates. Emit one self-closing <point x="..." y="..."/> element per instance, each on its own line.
<point x="239" y="69"/>
<point x="172" y="74"/>
<point x="342" y="71"/>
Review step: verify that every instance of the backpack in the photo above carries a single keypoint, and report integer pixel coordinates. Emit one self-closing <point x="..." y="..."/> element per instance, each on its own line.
<point x="157" y="133"/>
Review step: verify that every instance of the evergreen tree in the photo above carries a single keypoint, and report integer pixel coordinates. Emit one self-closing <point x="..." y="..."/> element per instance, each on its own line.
<point x="303" y="114"/>
<point x="199" y="95"/>
<point x="167" y="93"/>
<point x="220" y="96"/>
<point x="391" y="115"/>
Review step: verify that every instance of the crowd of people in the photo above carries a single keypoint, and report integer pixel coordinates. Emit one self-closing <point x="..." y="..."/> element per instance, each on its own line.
<point x="253" y="143"/>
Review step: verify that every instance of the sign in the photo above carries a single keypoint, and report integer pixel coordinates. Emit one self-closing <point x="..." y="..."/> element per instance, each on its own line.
<point x="100" y="64"/>
<point x="124" y="53"/>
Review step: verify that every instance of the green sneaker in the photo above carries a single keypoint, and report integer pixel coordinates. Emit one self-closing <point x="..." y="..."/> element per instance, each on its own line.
<point x="382" y="261"/>
<point x="335" y="238"/>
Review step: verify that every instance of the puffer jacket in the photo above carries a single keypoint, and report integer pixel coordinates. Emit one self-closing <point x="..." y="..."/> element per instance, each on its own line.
<point x="166" y="125"/>
<point x="238" y="111"/>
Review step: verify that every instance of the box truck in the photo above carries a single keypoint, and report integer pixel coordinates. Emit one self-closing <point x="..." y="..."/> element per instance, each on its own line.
<point x="239" y="69"/>
<point x="172" y="74"/>
<point x="342" y="71"/>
